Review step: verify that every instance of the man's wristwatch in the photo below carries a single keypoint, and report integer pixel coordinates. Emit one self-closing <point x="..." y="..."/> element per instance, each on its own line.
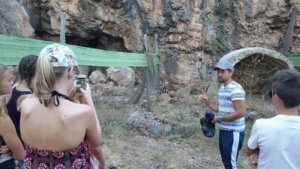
<point x="219" y="119"/>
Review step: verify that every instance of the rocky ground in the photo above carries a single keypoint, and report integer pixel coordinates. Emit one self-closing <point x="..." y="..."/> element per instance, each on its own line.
<point x="169" y="137"/>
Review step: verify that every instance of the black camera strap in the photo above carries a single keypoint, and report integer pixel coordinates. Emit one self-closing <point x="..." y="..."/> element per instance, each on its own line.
<point x="55" y="94"/>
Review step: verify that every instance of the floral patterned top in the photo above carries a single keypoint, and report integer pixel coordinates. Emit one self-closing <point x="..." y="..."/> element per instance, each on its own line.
<point x="75" y="158"/>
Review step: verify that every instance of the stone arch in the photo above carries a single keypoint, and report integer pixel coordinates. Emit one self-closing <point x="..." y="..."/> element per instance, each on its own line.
<point x="255" y="67"/>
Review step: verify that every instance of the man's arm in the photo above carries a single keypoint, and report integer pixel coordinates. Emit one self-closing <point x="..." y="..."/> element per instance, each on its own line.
<point x="213" y="106"/>
<point x="204" y="100"/>
<point x="253" y="157"/>
<point x="239" y="111"/>
<point x="250" y="151"/>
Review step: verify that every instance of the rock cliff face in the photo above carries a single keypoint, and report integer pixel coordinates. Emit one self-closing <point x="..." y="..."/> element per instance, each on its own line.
<point x="14" y="19"/>
<point x="193" y="34"/>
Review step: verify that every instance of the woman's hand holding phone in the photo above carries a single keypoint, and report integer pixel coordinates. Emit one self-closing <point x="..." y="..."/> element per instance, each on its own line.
<point x="87" y="95"/>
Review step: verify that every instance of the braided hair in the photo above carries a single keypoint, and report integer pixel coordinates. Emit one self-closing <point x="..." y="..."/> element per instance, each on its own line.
<point x="27" y="68"/>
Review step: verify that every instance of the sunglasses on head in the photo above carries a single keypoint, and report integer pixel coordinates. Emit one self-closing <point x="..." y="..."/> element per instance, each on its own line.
<point x="76" y="70"/>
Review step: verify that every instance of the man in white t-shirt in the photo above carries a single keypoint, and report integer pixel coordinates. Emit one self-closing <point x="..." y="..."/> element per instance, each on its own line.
<point x="231" y="111"/>
<point x="276" y="141"/>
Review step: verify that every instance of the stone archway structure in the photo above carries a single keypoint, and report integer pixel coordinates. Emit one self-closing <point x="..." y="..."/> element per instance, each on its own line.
<point x="255" y="67"/>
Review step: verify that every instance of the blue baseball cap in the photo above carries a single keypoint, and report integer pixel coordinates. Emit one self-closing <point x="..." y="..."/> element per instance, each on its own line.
<point x="224" y="65"/>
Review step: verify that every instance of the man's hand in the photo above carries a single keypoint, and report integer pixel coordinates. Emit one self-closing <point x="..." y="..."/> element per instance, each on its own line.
<point x="253" y="156"/>
<point x="214" y="121"/>
<point x="253" y="160"/>
<point x="203" y="98"/>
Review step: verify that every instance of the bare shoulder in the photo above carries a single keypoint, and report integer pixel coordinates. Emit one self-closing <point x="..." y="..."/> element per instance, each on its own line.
<point x="29" y="98"/>
<point x="23" y="97"/>
<point x="82" y="109"/>
<point x="28" y="102"/>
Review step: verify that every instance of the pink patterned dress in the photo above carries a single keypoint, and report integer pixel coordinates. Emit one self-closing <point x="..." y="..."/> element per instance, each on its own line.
<point x="75" y="158"/>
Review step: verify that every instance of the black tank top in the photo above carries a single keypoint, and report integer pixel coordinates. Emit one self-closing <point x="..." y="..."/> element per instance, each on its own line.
<point x="14" y="114"/>
<point x="2" y="142"/>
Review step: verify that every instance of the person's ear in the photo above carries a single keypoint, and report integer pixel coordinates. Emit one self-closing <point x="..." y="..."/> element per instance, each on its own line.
<point x="277" y="99"/>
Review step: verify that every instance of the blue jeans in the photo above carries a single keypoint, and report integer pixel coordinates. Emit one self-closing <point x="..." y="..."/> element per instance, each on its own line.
<point x="230" y="143"/>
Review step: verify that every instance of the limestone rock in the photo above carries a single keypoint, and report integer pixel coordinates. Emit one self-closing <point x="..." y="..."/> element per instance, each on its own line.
<point x="14" y="19"/>
<point x="97" y="76"/>
<point x="192" y="35"/>
<point x="124" y="76"/>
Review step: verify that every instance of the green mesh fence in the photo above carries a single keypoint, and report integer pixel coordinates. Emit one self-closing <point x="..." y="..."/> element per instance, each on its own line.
<point x="295" y="59"/>
<point x="13" y="48"/>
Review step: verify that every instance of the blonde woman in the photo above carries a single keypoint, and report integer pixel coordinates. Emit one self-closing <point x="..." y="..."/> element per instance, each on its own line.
<point x="56" y="131"/>
<point x="8" y="134"/>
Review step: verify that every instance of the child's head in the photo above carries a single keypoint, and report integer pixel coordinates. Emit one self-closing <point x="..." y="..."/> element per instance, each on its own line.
<point x="6" y="81"/>
<point x="27" y="68"/>
<point x="286" y="85"/>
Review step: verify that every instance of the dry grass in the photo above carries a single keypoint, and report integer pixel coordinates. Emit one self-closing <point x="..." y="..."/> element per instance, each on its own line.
<point x="126" y="148"/>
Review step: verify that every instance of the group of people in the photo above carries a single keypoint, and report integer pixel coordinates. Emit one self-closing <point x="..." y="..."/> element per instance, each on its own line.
<point x="42" y="125"/>
<point x="274" y="142"/>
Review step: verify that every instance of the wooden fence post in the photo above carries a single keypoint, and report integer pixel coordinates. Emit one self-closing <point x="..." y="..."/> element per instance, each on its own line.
<point x="62" y="34"/>
<point x="146" y="48"/>
<point x="156" y="65"/>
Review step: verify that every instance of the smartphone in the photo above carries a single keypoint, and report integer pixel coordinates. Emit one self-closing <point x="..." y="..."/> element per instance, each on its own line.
<point x="80" y="82"/>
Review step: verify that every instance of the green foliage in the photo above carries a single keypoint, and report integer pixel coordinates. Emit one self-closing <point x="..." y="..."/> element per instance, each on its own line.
<point x="216" y="46"/>
<point x="209" y="20"/>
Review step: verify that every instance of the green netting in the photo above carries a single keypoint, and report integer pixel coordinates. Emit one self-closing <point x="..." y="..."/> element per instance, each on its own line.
<point x="295" y="59"/>
<point x="13" y="48"/>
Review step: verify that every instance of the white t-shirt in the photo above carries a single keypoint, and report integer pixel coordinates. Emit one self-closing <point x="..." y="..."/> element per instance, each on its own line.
<point x="278" y="139"/>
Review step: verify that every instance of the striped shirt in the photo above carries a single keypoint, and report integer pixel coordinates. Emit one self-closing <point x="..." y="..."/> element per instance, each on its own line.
<point x="227" y="94"/>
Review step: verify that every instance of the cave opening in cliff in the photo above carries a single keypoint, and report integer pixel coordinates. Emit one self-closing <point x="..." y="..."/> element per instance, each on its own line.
<point x="97" y="40"/>
<point x="101" y="41"/>
<point x="256" y="71"/>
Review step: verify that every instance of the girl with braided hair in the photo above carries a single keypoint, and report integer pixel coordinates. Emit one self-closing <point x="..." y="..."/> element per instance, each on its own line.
<point x="20" y="91"/>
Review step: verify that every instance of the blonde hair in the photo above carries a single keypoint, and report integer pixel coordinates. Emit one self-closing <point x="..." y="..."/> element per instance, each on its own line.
<point x="3" y="68"/>
<point x="45" y="76"/>
<point x="2" y="110"/>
